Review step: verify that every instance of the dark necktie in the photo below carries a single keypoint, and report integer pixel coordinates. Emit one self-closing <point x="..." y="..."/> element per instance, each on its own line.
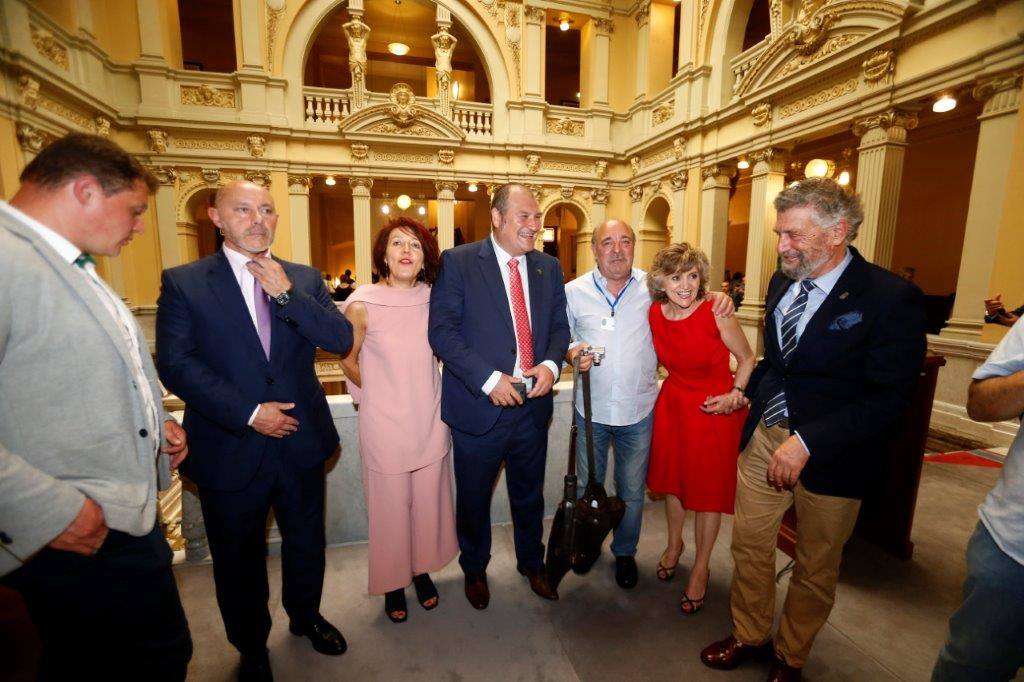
<point x="775" y="410"/>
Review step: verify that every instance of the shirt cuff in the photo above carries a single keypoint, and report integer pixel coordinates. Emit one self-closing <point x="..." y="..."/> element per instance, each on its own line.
<point x="797" y="434"/>
<point x="252" y="417"/>
<point x="491" y="382"/>
<point x="555" y="369"/>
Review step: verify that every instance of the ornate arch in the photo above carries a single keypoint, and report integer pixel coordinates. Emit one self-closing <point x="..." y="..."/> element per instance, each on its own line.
<point x="660" y="194"/>
<point x="306" y="23"/>
<point x="553" y="200"/>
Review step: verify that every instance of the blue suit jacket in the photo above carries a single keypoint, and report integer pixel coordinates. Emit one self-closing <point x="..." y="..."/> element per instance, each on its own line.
<point x="471" y="330"/>
<point x="850" y="378"/>
<point x="209" y="354"/>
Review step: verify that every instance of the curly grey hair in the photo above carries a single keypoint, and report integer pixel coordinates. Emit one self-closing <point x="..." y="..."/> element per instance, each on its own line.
<point x="829" y="202"/>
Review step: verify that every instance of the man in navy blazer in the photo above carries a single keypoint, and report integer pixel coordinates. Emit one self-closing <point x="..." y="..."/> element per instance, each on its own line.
<point x="498" y="322"/>
<point x="236" y="337"/>
<point x="844" y="344"/>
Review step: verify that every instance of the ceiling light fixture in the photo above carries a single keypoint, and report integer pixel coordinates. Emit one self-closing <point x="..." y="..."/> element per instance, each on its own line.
<point x="385" y="207"/>
<point x="472" y="187"/>
<point x="564" y="21"/>
<point x="403" y="201"/>
<point x="944" y="103"/>
<point x="398" y="48"/>
<point x="819" y="168"/>
<point x="329" y="181"/>
<point x="844" y="178"/>
<point x="422" y="210"/>
<point x="743" y="164"/>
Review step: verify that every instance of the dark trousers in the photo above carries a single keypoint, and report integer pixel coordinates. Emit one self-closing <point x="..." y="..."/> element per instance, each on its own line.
<point x="522" y="447"/>
<point x="116" y="612"/>
<point x="236" y="528"/>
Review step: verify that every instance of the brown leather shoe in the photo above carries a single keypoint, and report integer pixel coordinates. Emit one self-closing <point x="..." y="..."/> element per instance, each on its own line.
<point x="730" y="652"/>
<point x="781" y="672"/>
<point x="476" y="590"/>
<point x="539" y="582"/>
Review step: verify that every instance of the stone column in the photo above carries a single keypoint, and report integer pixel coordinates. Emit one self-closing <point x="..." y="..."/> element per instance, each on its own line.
<point x="600" y="54"/>
<point x="678" y="181"/>
<point x="445" y="213"/>
<point x="1001" y="98"/>
<point x="83" y="12"/>
<point x="361" y="224"/>
<point x="643" y="38"/>
<point x="298" y="214"/>
<point x="687" y="14"/>
<point x="768" y="178"/>
<point x="533" y="52"/>
<point x="165" y="209"/>
<point x="151" y="39"/>
<point x="714" y="216"/>
<point x="598" y="214"/>
<point x="249" y="35"/>
<point x="879" y="173"/>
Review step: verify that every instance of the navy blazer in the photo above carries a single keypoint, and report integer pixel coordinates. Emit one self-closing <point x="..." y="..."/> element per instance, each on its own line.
<point x="472" y="333"/>
<point x="851" y="376"/>
<point x="209" y="354"/>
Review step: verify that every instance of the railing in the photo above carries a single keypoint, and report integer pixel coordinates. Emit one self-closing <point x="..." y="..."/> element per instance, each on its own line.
<point x="326" y="108"/>
<point x="742" y="62"/>
<point x="473" y="117"/>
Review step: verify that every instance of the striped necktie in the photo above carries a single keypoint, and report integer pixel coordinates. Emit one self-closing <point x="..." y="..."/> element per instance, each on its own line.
<point x="775" y="410"/>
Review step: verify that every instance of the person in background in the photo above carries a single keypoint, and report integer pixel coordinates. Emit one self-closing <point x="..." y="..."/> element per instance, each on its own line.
<point x="402" y="440"/>
<point x="995" y="313"/>
<point x="700" y="409"/>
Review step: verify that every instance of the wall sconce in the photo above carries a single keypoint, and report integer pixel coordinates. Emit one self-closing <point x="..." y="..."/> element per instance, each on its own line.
<point x="944" y="103"/>
<point x="329" y="181"/>
<point x="403" y="201"/>
<point x="844" y="178"/>
<point x="819" y="168"/>
<point x="422" y="210"/>
<point x="472" y="187"/>
<point x="549" y="234"/>
<point x="385" y="207"/>
<point x="455" y="89"/>
<point x="564" y="21"/>
<point x="743" y="164"/>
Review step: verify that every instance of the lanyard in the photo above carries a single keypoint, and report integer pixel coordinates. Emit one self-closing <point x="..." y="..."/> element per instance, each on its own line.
<point x="611" y="303"/>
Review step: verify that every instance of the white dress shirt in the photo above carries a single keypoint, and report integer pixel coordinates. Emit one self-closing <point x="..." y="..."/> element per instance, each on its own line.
<point x="625" y="384"/>
<point x="112" y="303"/>
<point x="245" y="280"/>
<point x="503" y="259"/>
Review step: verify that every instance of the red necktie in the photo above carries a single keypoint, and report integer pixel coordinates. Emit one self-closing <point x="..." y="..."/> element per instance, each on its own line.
<point x="524" y="336"/>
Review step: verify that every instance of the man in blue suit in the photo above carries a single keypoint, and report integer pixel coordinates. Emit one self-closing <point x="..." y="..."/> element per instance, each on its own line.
<point x="498" y="323"/>
<point x="236" y="337"/>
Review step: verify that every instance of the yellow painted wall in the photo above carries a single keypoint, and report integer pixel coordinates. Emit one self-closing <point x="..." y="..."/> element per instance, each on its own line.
<point x="171" y="30"/>
<point x="61" y="11"/>
<point x="116" y="25"/>
<point x="622" y="63"/>
<point x="11" y="159"/>
<point x="586" y="65"/>
<point x="659" y="64"/>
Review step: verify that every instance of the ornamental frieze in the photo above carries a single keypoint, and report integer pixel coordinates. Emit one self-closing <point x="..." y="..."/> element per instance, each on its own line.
<point x="392" y="157"/>
<point x="206" y="96"/>
<point x="566" y="167"/>
<point x="879" y="66"/>
<point x="48" y="46"/>
<point x="663" y="112"/>
<point x="818" y="98"/>
<point x="211" y="145"/>
<point x="564" y="125"/>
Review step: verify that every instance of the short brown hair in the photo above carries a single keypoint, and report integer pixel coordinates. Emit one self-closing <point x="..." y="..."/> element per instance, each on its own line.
<point x="431" y="254"/>
<point x="500" y="200"/>
<point x="78" y="154"/>
<point x="677" y="258"/>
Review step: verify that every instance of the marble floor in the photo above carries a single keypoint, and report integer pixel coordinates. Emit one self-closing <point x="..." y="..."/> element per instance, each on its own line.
<point x="888" y="623"/>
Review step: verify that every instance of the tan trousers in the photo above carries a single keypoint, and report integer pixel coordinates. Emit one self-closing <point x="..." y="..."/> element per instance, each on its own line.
<point x="824" y="524"/>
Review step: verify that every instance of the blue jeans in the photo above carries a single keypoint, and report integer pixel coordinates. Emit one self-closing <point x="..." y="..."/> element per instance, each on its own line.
<point x="987" y="631"/>
<point x="632" y="450"/>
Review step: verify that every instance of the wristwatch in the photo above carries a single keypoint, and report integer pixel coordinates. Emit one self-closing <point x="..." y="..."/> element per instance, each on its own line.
<point x="283" y="297"/>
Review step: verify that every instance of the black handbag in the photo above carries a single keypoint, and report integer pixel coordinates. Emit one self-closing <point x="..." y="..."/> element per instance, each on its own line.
<point x="581" y="524"/>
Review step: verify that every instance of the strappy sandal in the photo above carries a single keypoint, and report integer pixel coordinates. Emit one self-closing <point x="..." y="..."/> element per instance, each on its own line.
<point x="666" y="573"/>
<point x="425" y="591"/>
<point x="691" y="606"/>
<point x="395" y="607"/>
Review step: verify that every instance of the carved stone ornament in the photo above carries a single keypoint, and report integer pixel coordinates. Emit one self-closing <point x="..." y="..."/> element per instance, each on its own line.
<point x="988" y="88"/>
<point x="157" y="141"/>
<point x="537" y="191"/>
<point x="886" y="120"/>
<point x="564" y="125"/>
<point x="604" y="26"/>
<point x="533" y="14"/>
<point x="257" y="145"/>
<point x="679" y="147"/>
<point x="634" y="164"/>
<point x="567" y="192"/>
<point x="261" y="178"/>
<point x="206" y="96"/>
<point x="360" y="151"/>
<point x="446" y="186"/>
<point x="761" y="113"/>
<point x="643" y="15"/>
<point x="211" y="176"/>
<point x="446" y="155"/>
<point x="679" y="180"/>
<point x="361" y="183"/>
<point x="102" y="126"/>
<point x="879" y="66"/>
<point x="532" y="163"/>
<point x="165" y="175"/>
<point x="654" y="186"/>
<point x="30" y="137"/>
<point x="49" y="47"/>
<point x="601" y="169"/>
<point x="275" y="10"/>
<point x="28" y="91"/>
<point x="716" y="171"/>
<point x="663" y="112"/>
<point x="766" y="155"/>
<point x="636" y="193"/>
<point x="303" y="182"/>
<point x="599" y="195"/>
<point x="403" y="109"/>
<point x="811" y="26"/>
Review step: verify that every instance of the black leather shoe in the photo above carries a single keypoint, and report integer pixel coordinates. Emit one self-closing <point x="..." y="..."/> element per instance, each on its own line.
<point x="325" y="637"/>
<point x="477" y="591"/>
<point x="539" y="582"/>
<point x="730" y="652"/>
<point x="625" y="572"/>
<point x="255" y="668"/>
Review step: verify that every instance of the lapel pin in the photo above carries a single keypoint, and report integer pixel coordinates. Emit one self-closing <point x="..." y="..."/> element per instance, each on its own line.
<point x="843" y="295"/>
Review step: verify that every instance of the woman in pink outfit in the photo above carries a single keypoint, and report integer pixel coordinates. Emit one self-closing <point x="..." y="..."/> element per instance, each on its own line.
<point x="404" y="444"/>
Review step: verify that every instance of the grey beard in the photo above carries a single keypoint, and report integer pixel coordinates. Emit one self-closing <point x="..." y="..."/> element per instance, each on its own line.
<point x="805" y="267"/>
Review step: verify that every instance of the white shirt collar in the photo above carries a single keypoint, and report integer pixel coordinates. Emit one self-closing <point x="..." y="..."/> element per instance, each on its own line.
<point x="635" y="273"/>
<point x="502" y="255"/>
<point x="65" y="249"/>
<point x="238" y="260"/>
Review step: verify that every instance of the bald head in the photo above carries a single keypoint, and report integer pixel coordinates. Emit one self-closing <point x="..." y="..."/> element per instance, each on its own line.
<point x="246" y="216"/>
<point x="612" y="245"/>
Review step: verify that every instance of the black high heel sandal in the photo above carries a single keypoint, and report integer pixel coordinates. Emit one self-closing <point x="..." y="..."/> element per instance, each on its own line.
<point x="394" y="604"/>
<point x="425" y="591"/>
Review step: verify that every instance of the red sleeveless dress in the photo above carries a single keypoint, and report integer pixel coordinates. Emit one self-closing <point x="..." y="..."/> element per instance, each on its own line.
<point x="693" y="454"/>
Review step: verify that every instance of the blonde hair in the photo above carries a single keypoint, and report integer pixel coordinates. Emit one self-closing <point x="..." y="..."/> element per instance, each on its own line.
<point x="677" y="258"/>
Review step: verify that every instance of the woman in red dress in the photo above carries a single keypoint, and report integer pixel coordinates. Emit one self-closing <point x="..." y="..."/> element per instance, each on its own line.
<point x="699" y="413"/>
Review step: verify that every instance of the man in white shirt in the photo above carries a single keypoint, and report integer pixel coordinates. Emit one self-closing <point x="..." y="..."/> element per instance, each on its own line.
<point x="987" y="631"/>
<point x="84" y="440"/>
<point x="607" y="307"/>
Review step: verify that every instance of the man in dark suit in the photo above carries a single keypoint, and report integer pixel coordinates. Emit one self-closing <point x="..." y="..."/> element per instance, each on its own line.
<point x="236" y="337"/>
<point x="844" y="343"/>
<point x="498" y="322"/>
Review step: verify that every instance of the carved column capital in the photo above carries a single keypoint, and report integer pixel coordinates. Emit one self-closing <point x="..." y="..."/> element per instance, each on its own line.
<point x="361" y="186"/>
<point x="643" y="15"/>
<point x="768" y="160"/>
<point x="679" y="180"/>
<point x="887" y="120"/>
<point x="261" y="178"/>
<point x="718" y="173"/>
<point x="999" y="94"/>
<point x="599" y="195"/>
<point x="165" y="175"/>
<point x="445" y="186"/>
<point x="636" y="193"/>
<point x="299" y="184"/>
<point x="533" y="14"/>
<point x="603" y="26"/>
